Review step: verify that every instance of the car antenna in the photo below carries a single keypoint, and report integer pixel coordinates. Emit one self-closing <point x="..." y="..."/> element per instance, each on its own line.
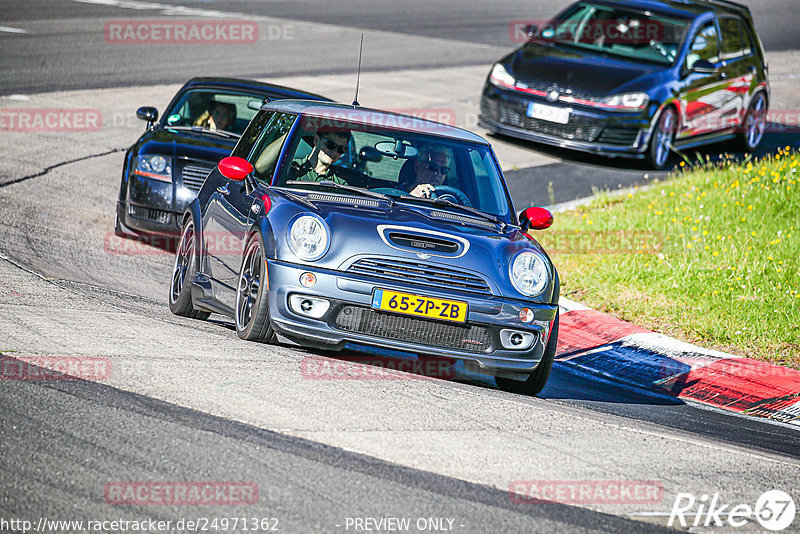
<point x="358" y="76"/>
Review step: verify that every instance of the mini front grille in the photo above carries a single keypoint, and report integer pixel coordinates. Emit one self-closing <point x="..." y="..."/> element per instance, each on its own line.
<point x="421" y="274"/>
<point x="425" y="243"/>
<point x="194" y="176"/>
<point x="150" y="214"/>
<point x="321" y="197"/>
<point x="470" y="338"/>
<point x="619" y="136"/>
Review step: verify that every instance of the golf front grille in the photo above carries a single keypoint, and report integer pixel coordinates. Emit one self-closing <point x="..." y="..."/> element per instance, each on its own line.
<point x="469" y="338"/>
<point x="515" y="114"/>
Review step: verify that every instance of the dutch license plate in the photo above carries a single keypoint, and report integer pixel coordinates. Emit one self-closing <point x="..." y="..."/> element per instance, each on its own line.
<point x="548" y="113"/>
<point x="405" y="303"/>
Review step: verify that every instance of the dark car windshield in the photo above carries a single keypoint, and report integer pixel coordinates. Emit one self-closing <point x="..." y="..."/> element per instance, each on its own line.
<point x="214" y="110"/>
<point x="395" y="163"/>
<point x="620" y="31"/>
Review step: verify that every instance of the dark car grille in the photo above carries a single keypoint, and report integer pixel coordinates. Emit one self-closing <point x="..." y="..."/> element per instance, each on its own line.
<point x="421" y="274"/>
<point x="470" y="338"/>
<point x="619" y="136"/>
<point x="194" y="176"/>
<point x="514" y="114"/>
<point x="150" y="214"/>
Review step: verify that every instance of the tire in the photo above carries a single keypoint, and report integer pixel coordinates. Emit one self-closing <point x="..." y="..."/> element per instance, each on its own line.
<point x="538" y="379"/>
<point x="183" y="272"/>
<point x="660" y="148"/>
<point x="252" y="295"/>
<point x="754" y="124"/>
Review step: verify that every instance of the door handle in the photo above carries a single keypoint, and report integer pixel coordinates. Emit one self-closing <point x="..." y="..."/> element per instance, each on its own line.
<point x="223" y="190"/>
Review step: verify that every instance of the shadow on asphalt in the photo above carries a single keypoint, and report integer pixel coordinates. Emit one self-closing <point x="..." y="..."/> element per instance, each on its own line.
<point x="581" y="175"/>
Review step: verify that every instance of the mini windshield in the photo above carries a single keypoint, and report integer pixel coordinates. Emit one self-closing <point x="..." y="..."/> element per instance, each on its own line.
<point x="214" y="110"/>
<point x="620" y="31"/>
<point x="395" y="163"/>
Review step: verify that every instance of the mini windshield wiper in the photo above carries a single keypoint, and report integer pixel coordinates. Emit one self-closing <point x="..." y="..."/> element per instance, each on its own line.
<point x="349" y="188"/>
<point x="467" y="209"/>
<point x="221" y="133"/>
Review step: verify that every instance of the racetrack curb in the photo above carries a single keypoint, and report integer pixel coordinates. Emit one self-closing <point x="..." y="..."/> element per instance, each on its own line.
<point x="617" y="350"/>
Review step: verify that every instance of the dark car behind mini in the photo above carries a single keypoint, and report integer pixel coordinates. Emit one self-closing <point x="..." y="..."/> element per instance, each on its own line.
<point x="165" y="168"/>
<point x="640" y="78"/>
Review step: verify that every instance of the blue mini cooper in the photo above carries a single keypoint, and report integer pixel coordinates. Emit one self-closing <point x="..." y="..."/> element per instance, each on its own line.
<point x="344" y="227"/>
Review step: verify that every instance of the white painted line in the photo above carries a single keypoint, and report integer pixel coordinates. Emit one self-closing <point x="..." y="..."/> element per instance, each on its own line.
<point x="166" y="9"/>
<point x="12" y="30"/>
<point x="18" y="98"/>
<point x="672" y="348"/>
<point x="568" y="305"/>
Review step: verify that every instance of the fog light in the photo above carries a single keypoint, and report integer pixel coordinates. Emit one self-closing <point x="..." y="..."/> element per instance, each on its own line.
<point x="308" y="279"/>
<point x="526" y="315"/>
<point x="516" y="340"/>
<point x="309" y="306"/>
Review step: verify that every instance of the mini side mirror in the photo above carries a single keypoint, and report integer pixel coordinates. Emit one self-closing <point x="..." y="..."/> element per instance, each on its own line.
<point x="233" y="168"/>
<point x="535" y="219"/>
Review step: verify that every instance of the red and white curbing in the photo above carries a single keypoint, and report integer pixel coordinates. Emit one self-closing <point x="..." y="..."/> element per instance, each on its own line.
<point x="614" y="349"/>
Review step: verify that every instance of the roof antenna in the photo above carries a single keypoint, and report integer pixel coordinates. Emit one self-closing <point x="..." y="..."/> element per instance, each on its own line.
<point x="358" y="76"/>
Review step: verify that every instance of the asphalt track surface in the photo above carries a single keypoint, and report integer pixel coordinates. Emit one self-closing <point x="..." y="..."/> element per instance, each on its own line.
<point x="188" y="401"/>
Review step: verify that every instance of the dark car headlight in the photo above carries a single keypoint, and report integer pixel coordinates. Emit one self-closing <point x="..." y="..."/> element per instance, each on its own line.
<point x="624" y="102"/>
<point x="529" y="273"/>
<point x="500" y="76"/>
<point x="155" y="166"/>
<point x="308" y="237"/>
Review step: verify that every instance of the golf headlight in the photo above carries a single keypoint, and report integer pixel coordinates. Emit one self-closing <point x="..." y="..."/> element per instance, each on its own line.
<point x="625" y="102"/>
<point x="309" y="237"/>
<point x="157" y="167"/>
<point x="500" y="76"/>
<point x="529" y="273"/>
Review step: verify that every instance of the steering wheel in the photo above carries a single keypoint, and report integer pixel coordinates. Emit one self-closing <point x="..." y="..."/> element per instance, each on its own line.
<point x="444" y="191"/>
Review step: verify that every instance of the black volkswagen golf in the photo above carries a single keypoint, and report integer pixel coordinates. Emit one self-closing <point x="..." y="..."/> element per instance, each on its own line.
<point x="638" y="78"/>
<point x="165" y="168"/>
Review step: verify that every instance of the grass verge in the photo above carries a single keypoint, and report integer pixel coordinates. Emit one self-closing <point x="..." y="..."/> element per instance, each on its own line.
<point x="711" y="256"/>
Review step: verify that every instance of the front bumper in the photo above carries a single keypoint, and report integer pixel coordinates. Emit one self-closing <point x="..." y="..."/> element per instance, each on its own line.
<point x="588" y="130"/>
<point x="351" y="320"/>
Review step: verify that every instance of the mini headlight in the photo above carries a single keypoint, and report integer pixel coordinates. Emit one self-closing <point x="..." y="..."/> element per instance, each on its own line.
<point x="500" y="76"/>
<point x="529" y="273"/>
<point x="308" y="237"/>
<point x="626" y="101"/>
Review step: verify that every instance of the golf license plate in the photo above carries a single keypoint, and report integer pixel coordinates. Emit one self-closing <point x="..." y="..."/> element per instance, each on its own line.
<point x="548" y="113"/>
<point x="405" y="303"/>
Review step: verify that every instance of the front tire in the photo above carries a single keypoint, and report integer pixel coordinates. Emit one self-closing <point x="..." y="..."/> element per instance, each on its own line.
<point x="660" y="148"/>
<point x="538" y="379"/>
<point x="180" y="289"/>
<point x="252" y="295"/>
<point x="754" y="124"/>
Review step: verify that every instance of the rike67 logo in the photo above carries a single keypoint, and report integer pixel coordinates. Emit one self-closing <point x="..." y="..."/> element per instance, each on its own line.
<point x="774" y="510"/>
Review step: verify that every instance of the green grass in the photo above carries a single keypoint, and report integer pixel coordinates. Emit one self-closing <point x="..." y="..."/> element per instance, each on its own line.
<point x="711" y="256"/>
